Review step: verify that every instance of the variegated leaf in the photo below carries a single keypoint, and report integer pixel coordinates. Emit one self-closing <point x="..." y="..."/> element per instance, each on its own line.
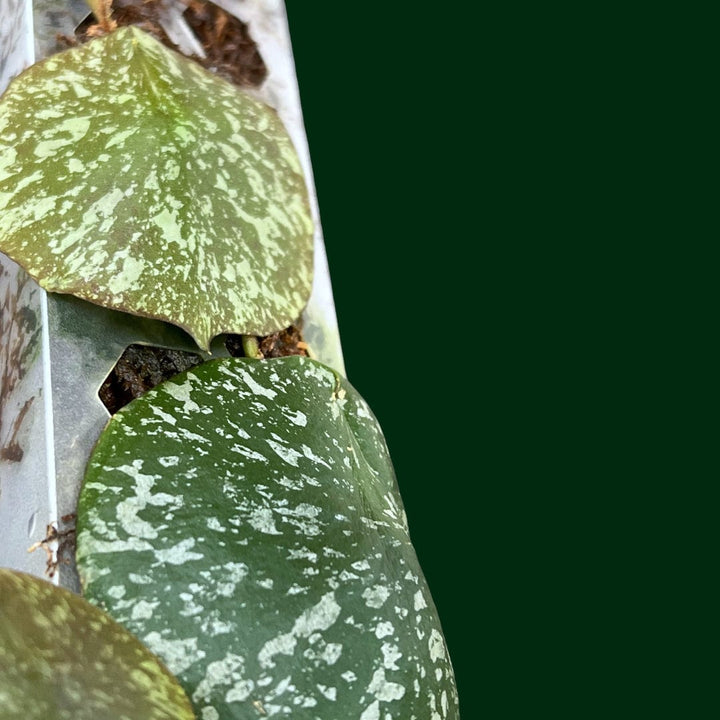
<point x="61" y="657"/>
<point x="133" y="178"/>
<point x="243" y="520"/>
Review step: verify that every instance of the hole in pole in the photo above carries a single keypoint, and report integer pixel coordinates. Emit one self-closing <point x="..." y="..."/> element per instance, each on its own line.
<point x="139" y="369"/>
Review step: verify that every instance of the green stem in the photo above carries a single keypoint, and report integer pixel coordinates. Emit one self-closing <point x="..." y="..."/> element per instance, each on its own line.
<point x="251" y="348"/>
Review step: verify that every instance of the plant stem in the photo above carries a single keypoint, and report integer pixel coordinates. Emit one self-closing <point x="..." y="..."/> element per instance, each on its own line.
<point x="102" y="10"/>
<point x="251" y="348"/>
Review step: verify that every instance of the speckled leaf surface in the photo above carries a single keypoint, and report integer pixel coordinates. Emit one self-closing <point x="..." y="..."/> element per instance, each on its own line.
<point x="243" y="520"/>
<point x="60" y="657"/>
<point x="133" y="178"/>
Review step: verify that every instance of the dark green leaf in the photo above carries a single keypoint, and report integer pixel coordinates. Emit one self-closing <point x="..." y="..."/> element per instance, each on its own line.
<point x="243" y="520"/>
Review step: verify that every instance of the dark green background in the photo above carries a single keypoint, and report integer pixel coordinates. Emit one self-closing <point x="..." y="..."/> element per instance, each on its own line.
<point x="490" y="196"/>
<point x="383" y="130"/>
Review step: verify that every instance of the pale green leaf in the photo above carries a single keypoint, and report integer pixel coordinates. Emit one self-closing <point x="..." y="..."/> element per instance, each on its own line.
<point x="61" y="657"/>
<point x="243" y="520"/>
<point x="133" y="178"/>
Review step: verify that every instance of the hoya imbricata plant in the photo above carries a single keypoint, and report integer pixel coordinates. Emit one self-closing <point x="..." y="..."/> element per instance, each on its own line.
<point x="241" y="520"/>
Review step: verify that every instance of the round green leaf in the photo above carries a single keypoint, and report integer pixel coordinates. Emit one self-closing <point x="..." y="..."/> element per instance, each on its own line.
<point x="243" y="520"/>
<point x="133" y="178"/>
<point x="60" y="657"/>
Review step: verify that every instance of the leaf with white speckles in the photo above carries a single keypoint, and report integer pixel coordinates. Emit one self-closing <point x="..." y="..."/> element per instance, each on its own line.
<point x="133" y="178"/>
<point x="243" y="520"/>
<point x="60" y="657"/>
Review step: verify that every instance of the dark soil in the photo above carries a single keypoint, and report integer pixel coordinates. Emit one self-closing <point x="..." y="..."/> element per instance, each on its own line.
<point x="231" y="52"/>
<point x="140" y="369"/>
